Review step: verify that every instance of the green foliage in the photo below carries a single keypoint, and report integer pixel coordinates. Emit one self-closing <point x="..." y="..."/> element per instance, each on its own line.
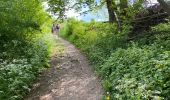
<point x="60" y="7"/>
<point x="123" y="10"/>
<point x="141" y="71"/>
<point x="25" y="46"/>
<point x="97" y="40"/>
<point x="18" y="74"/>
<point x="106" y="85"/>
<point x="15" y="77"/>
<point x="138" y="73"/>
<point x="137" y="70"/>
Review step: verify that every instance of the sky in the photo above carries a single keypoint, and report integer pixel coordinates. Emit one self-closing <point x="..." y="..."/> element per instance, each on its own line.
<point x="101" y="15"/>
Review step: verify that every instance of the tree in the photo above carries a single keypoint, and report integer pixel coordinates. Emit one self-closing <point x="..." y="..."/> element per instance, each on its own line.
<point x="111" y="10"/>
<point x="117" y="9"/>
<point x="59" y="7"/>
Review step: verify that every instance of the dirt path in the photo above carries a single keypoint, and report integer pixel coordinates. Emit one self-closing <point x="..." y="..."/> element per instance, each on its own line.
<point x="70" y="78"/>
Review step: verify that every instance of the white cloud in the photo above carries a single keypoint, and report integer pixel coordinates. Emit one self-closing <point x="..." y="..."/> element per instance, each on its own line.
<point x="155" y="1"/>
<point x="72" y="13"/>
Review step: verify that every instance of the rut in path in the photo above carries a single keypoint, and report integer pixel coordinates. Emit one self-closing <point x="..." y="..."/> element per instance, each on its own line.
<point x="69" y="78"/>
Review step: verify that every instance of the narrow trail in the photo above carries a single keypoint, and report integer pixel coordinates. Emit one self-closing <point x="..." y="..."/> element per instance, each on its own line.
<point x="69" y="78"/>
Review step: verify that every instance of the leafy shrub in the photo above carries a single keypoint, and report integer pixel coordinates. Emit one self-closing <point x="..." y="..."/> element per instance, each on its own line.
<point x="137" y="70"/>
<point x="142" y="70"/>
<point x="25" y="46"/>
<point x="138" y="73"/>
<point x="15" y="77"/>
<point x="96" y="39"/>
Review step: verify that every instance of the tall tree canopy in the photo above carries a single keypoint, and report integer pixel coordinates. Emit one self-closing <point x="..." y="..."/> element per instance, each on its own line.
<point x="59" y="7"/>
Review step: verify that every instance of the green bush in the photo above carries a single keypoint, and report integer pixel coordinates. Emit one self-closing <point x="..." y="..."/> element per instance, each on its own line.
<point x="25" y="46"/>
<point x="131" y="70"/>
<point x="15" y="78"/>
<point x="16" y="75"/>
<point x="138" y="73"/>
<point x="96" y="39"/>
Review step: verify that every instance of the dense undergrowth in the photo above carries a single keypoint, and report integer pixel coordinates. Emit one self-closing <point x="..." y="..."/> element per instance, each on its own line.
<point x="130" y="70"/>
<point x="24" y="46"/>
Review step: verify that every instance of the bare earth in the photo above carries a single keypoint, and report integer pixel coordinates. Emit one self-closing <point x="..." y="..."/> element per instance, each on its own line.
<point x="70" y="77"/>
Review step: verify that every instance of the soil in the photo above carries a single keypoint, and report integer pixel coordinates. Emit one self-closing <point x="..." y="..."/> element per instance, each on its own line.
<point x="70" y="77"/>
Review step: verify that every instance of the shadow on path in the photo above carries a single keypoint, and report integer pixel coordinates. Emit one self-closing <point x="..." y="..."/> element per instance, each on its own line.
<point x="69" y="78"/>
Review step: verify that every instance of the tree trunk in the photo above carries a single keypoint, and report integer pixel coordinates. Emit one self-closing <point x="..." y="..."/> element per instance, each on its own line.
<point x="110" y="7"/>
<point x="165" y="5"/>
